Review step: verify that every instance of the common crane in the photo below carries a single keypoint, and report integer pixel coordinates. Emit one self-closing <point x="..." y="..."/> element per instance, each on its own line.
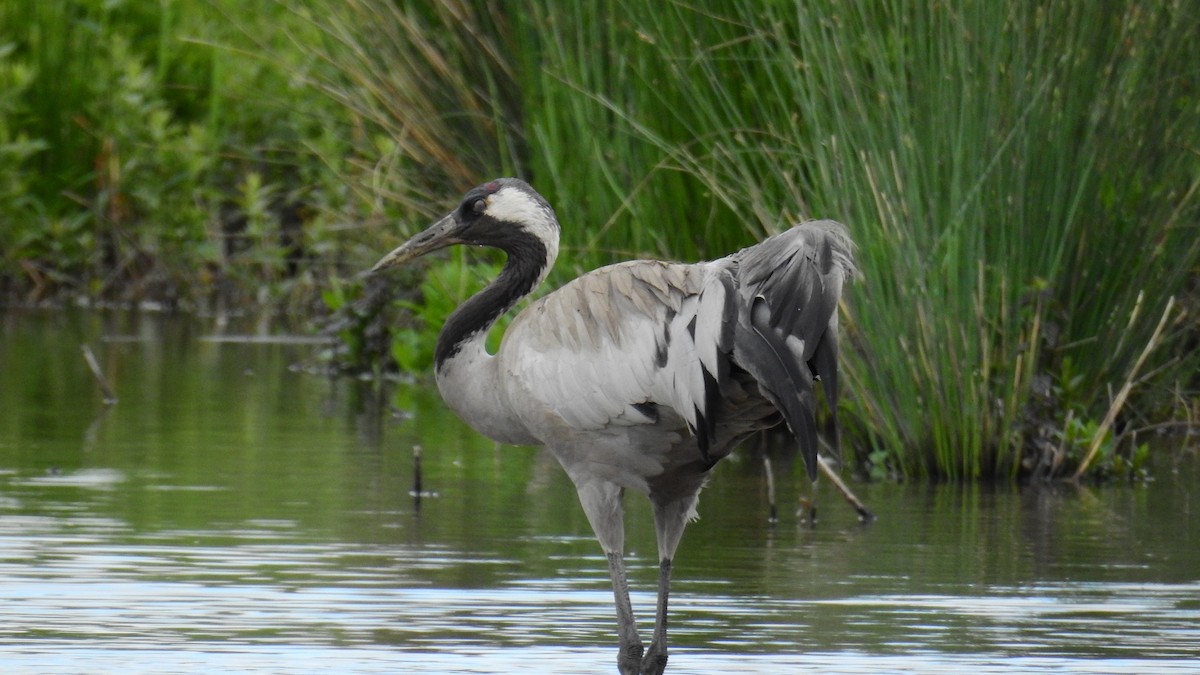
<point x="642" y="375"/>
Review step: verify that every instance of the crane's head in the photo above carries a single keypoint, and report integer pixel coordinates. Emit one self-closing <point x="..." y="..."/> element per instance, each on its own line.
<point x="505" y="213"/>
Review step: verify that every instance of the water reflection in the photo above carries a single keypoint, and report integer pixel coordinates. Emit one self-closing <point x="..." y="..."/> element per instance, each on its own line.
<point x="231" y="514"/>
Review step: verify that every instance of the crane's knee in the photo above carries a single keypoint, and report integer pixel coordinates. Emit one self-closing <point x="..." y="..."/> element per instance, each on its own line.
<point x="629" y="659"/>
<point x="655" y="661"/>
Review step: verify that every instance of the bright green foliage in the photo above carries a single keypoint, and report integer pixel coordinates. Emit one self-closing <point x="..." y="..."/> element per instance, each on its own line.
<point x="160" y="149"/>
<point x="443" y="288"/>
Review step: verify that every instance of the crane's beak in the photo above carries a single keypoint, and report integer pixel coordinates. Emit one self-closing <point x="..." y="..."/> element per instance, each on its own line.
<point x="441" y="234"/>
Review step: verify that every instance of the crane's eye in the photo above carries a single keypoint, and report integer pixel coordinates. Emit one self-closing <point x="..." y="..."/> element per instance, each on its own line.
<point x="478" y="207"/>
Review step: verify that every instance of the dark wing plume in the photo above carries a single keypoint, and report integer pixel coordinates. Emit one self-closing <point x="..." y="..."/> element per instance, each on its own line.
<point x="787" y="324"/>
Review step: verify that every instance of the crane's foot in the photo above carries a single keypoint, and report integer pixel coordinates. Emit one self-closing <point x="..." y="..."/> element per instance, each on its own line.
<point x="629" y="659"/>
<point x="655" y="661"/>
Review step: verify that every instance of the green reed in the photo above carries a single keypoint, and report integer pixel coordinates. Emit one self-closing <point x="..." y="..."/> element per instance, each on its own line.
<point x="1020" y="179"/>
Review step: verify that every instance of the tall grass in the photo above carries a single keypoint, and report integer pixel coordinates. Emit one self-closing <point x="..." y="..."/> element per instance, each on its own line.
<point x="996" y="165"/>
<point x="1021" y="180"/>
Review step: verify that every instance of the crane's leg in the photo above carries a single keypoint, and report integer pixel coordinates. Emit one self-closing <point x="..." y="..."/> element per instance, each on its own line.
<point x="602" y="503"/>
<point x="655" y="660"/>
<point x="629" y="658"/>
<point x="670" y="519"/>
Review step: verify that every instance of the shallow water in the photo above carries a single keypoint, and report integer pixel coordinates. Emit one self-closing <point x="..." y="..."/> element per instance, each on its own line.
<point x="234" y="514"/>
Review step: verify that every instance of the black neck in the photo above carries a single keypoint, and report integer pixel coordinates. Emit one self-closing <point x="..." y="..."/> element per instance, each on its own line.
<point x="527" y="258"/>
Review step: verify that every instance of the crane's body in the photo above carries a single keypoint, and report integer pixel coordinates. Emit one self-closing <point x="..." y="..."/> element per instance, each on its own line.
<point x="641" y="375"/>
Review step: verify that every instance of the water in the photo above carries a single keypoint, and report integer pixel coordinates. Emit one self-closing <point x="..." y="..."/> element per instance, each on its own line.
<point x="234" y="514"/>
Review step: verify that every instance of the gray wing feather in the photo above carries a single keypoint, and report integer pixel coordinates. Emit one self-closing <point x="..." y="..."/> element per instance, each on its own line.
<point x="602" y="347"/>
<point x="608" y="347"/>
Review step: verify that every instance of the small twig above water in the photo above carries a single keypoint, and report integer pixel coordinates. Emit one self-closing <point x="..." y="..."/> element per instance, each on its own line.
<point x="808" y="506"/>
<point x="864" y="514"/>
<point x="773" y="516"/>
<point x="416" y="491"/>
<point x="110" y="396"/>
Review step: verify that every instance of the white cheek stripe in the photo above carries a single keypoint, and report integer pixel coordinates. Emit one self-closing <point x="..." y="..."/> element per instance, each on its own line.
<point x="512" y="205"/>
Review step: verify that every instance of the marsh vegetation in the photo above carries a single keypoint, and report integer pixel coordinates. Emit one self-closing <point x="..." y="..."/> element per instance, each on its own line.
<point x="1021" y="181"/>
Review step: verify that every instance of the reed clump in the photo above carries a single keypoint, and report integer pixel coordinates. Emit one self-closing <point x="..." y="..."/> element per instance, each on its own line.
<point x="1021" y="181"/>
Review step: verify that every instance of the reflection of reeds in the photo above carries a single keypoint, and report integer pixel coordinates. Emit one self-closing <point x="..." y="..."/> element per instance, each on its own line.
<point x="1016" y="177"/>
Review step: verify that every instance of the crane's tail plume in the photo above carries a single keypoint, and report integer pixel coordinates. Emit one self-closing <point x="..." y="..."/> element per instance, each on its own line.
<point x="786" y="332"/>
